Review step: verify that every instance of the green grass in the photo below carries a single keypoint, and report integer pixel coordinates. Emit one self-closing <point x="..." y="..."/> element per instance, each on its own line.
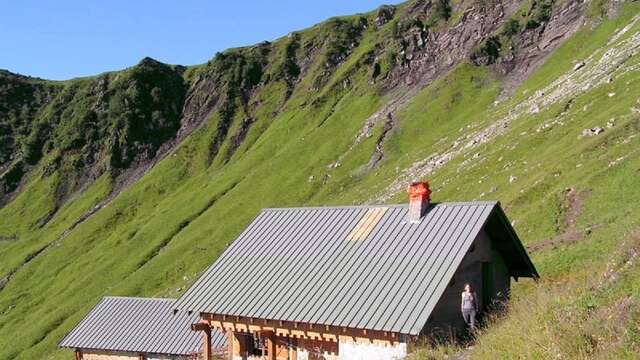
<point x="158" y="234"/>
<point x="572" y="312"/>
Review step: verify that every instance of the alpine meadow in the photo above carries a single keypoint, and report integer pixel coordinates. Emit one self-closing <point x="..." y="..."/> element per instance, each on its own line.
<point x="130" y="183"/>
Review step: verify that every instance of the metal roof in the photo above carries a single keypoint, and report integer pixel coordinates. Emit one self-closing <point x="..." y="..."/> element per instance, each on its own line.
<point x="362" y="267"/>
<point x="139" y="325"/>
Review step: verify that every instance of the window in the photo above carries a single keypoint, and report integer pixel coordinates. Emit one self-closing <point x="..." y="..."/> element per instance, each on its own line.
<point x="255" y="344"/>
<point x="258" y="345"/>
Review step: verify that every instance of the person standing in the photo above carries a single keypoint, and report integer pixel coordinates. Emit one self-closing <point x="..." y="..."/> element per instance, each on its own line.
<point x="469" y="306"/>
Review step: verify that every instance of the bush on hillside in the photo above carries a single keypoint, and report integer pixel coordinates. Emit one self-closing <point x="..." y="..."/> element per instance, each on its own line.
<point x="488" y="52"/>
<point x="539" y="13"/>
<point x="342" y="36"/>
<point x="441" y="11"/>
<point x="511" y="28"/>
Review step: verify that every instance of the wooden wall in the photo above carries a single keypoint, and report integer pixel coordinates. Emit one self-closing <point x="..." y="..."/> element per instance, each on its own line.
<point x="108" y="355"/>
<point x="116" y="355"/>
<point x="286" y="348"/>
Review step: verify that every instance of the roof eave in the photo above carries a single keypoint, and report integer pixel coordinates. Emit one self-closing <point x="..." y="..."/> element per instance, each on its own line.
<point x="533" y="273"/>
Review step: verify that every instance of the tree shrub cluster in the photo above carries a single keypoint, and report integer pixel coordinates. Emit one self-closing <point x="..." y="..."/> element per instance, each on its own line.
<point x="539" y="13"/>
<point x="342" y="35"/>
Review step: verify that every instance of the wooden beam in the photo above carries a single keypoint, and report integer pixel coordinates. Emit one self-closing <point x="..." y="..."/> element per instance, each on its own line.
<point x="298" y="330"/>
<point x="77" y="354"/>
<point x="206" y="338"/>
<point x="270" y="338"/>
<point x="207" y="344"/>
<point x="200" y="327"/>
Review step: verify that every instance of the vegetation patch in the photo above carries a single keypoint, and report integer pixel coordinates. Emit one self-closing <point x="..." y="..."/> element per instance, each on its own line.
<point x="290" y="143"/>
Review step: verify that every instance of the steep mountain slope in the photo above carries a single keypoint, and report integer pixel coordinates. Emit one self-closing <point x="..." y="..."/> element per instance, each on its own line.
<point x="130" y="183"/>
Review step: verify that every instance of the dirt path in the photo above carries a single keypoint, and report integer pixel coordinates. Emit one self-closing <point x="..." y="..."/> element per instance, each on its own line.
<point x="574" y="200"/>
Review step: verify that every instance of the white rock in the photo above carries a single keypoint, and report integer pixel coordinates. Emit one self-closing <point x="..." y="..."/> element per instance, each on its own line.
<point x="593" y="131"/>
<point x="611" y="123"/>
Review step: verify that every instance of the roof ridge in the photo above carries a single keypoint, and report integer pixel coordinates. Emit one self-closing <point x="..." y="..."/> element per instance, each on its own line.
<point x="138" y="298"/>
<point x="367" y="206"/>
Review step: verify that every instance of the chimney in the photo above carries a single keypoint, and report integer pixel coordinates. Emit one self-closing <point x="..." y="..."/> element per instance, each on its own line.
<point x="418" y="200"/>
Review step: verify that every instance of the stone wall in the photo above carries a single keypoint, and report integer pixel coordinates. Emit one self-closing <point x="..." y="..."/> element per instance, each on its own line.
<point x="315" y="349"/>
<point x="347" y="348"/>
<point x="371" y="350"/>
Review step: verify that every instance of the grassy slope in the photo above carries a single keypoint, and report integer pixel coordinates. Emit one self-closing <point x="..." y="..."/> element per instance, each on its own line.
<point x="587" y="303"/>
<point x="157" y="235"/>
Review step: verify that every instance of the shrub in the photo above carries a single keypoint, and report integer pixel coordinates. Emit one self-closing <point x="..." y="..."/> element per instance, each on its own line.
<point x="442" y="10"/>
<point x="597" y="9"/>
<point x="289" y="69"/>
<point x="540" y="13"/>
<point x="342" y="35"/>
<point x="511" y="28"/>
<point x="488" y="51"/>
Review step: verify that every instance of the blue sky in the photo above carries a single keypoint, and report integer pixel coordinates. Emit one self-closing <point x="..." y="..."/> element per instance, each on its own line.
<point x="65" y="39"/>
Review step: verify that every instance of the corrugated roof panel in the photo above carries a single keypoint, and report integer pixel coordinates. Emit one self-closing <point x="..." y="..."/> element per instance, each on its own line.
<point x="352" y="266"/>
<point x="139" y="325"/>
<point x="362" y="276"/>
<point x="292" y="264"/>
<point x="256" y="278"/>
<point x="430" y="267"/>
<point x="311" y="271"/>
<point x="223" y="267"/>
<point x="234" y="266"/>
<point x="303" y="292"/>
<point x="397" y="258"/>
<point x="421" y="243"/>
<point x="300" y="265"/>
<point x="282" y="254"/>
<point x="429" y="300"/>
<point x="369" y="287"/>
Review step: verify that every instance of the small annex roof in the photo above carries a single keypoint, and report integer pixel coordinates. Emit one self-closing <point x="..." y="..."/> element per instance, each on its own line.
<point x="139" y="325"/>
<point x="362" y="267"/>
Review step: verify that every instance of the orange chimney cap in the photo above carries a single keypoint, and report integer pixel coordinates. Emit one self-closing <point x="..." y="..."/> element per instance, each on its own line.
<point x="419" y="190"/>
